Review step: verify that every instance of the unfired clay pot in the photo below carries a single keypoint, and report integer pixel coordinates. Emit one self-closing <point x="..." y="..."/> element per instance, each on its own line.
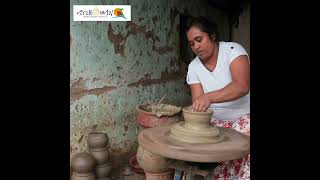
<point x="103" y="170"/>
<point x="83" y="163"/>
<point x="151" y="162"/>
<point x="196" y="128"/>
<point x="97" y="140"/>
<point x="101" y="155"/>
<point x="197" y="120"/>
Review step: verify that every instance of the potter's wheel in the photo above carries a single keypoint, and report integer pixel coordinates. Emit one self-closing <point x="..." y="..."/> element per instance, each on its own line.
<point x="228" y="144"/>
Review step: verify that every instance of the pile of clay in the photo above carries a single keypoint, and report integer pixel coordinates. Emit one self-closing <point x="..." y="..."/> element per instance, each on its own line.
<point x="162" y="109"/>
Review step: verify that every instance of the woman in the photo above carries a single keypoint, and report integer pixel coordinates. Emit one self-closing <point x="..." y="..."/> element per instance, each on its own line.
<point x="219" y="79"/>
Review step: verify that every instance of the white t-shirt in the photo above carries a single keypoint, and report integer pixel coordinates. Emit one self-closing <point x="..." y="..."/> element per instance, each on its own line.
<point x="218" y="79"/>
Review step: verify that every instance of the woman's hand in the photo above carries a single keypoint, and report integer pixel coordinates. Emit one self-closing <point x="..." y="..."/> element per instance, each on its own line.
<point x="201" y="103"/>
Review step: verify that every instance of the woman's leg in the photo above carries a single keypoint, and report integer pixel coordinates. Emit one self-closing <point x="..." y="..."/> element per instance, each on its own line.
<point x="236" y="169"/>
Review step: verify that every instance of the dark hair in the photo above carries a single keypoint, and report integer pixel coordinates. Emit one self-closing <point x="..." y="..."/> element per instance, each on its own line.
<point x="209" y="27"/>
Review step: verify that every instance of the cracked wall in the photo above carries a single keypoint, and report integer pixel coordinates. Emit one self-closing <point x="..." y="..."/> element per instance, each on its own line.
<point x="114" y="66"/>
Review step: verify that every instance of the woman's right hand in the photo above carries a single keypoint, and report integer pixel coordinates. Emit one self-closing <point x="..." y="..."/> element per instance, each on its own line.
<point x="201" y="103"/>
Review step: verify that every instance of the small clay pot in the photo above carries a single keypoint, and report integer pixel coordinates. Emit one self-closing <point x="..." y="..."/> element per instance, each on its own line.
<point x="97" y="140"/>
<point x="100" y="155"/>
<point x="79" y="176"/>
<point x="83" y="163"/>
<point x="103" y="170"/>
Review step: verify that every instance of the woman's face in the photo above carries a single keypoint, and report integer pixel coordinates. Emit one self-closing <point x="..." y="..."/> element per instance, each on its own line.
<point x="200" y="43"/>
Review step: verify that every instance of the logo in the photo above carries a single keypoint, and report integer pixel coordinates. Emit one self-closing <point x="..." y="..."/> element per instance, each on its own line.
<point x="96" y="12"/>
<point x="102" y="12"/>
<point x="119" y="13"/>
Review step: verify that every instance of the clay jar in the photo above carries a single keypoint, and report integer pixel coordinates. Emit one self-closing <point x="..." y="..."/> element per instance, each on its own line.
<point x="101" y="155"/>
<point x="150" y="162"/>
<point x="103" y="171"/>
<point x="97" y="140"/>
<point x="197" y="120"/>
<point x="83" y="165"/>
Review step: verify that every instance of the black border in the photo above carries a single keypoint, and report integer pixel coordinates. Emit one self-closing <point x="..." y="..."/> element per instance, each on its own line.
<point x="36" y="78"/>
<point x="283" y="90"/>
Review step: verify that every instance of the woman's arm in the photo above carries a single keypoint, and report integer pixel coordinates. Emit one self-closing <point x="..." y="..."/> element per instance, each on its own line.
<point x="196" y="90"/>
<point x="238" y="87"/>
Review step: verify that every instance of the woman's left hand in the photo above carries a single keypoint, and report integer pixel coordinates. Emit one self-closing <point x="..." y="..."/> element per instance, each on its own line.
<point x="201" y="103"/>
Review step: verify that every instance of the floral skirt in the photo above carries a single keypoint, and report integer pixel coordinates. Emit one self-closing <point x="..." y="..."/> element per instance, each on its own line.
<point x="235" y="169"/>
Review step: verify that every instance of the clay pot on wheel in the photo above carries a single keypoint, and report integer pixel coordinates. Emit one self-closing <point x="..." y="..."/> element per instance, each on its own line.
<point x="197" y="120"/>
<point x="196" y="128"/>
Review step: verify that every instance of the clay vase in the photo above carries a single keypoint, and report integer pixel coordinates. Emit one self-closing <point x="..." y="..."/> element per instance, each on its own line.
<point x="83" y="165"/>
<point x="196" y="128"/>
<point x="100" y="155"/>
<point x="97" y="140"/>
<point x="150" y="162"/>
<point x="103" y="171"/>
<point x="197" y="120"/>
